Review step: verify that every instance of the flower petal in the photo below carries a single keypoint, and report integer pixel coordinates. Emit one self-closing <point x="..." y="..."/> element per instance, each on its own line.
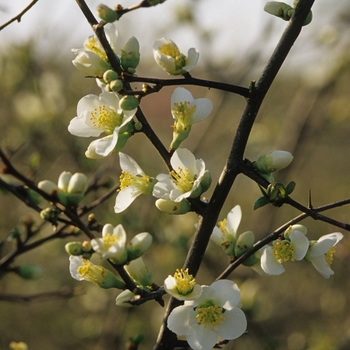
<point x="235" y="324"/>
<point x="269" y="264"/>
<point x="300" y="243"/>
<point x="203" y="109"/>
<point x="129" y="165"/>
<point x="234" y="218"/>
<point x="125" y="197"/>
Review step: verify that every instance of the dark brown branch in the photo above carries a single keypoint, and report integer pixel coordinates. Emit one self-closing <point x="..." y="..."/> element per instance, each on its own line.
<point x="19" y="16"/>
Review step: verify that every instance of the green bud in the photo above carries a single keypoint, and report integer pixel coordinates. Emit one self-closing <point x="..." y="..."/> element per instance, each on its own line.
<point x="155" y="2"/>
<point x="107" y="14"/>
<point x="273" y="161"/>
<point x="77" y="186"/>
<point x="128" y="103"/>
<point x="30" y="272"/>
<point x="138" y="245"/>
<point x="308" y="19"/>
<point x="74" y="248"/>
<point x="14" y="235"/>
<point x="206" y="181"/>
<point x="49" y="214"/>
<point x="171" y="207"/>
<point x="86" y="247"/>
<point x="244" y="242"/>
<point x="116" y="85"/>
<point x="138" y="126"/>
<point x="33" y="196"/>
<point x="138" y="271"/>
<point x="290" y="187"/>
<point x="130" y="56"/>
<point x="279" y="9"/>
<point x="110" y="75"/>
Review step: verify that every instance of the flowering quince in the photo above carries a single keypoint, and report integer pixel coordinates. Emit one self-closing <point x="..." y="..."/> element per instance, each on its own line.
<point x="182" y="286"/>
<point x="213" y="314"/>
<point x="169" y="58"/>
<point x="101" y="114"/>
<point x="133" y="182"/>
<point x="186" y="111"/>
<point x="273" y="161"/>
<point x="112" y="244"/>
<point x="293" y="247"/>
<point x="83" y="269"/>
<point x="92" y="59"/>
<point x="184" y="181"/>
<point x="225" y="234"/>
<point x="321" y="253"/>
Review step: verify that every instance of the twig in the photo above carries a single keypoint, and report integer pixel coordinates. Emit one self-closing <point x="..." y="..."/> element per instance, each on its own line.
<point x="19" y="16"/>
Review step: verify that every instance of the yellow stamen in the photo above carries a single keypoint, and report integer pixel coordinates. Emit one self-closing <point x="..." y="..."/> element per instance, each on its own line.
<point x="173" y="51"/>
<point x="329" y="256"/>
<point x="183" y="115"/>
<point x="140" y="181"/>
<point x="210" y="315"/>
<point x="106" y="118"/>
<point x="184" y="281"/>
<point x="283" y="251"/>
<point x="183" y="179"/>
<point x="93" y="45"/>
<point x="109" y="240"/>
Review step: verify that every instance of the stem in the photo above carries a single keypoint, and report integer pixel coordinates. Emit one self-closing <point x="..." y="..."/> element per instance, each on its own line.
<point x="231" y="170"/>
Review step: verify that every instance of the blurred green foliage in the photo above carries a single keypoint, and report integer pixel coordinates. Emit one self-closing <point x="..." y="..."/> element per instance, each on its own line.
<point x="310" y="117"/>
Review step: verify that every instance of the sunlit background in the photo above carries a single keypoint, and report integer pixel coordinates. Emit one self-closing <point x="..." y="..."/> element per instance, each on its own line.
<point x="306" y="112"/>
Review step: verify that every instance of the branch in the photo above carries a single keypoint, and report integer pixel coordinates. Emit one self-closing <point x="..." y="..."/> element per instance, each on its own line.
<point x="19" y="16"/>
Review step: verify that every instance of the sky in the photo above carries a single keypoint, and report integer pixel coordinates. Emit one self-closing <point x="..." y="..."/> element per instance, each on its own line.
<point x="237" y="25"/>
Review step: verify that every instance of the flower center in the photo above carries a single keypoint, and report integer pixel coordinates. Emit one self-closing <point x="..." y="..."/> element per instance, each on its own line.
<point x="210" y="315"/>
<point x="283" y="251"/>
<point x="183" y="179"/>
<point x="89" y="272"/>
<point x="183" y="115"/>
<point x="106" y="118"/>
<point x="109" y="240"/>
<point x="173" y="51"/>
<point x="184" y="281"/>
<point x="142" y="182"/>
<point x="92" y="44"/>
<point x="329" y="256"/>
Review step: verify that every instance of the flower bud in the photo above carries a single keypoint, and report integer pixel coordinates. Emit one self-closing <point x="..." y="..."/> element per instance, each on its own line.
<point x="116" y="85"/>
<point x="130" y="57"/>
<point x="206" y="181"/>
<point x="86" y="246"/>
<point x="171" y="207"/>
<point x="244" y="242"/>
<point x="138" y="271"/>
<point x="30" y="272"/>
<point x="49" y="214"/>
<point x="63" y="180"/>
<point x="138" y="245"/>
<point x="74" y="248"/>
<point x="128" y="103"/>
<point x="76" y="188"/>
<point x="110" y="75"/>
<point x="48" y="187"/>
<point x="107" y="14"/>
<point x="123" y="299"/>
<point x="273" y="161"/>
<point x="292" y="228"/>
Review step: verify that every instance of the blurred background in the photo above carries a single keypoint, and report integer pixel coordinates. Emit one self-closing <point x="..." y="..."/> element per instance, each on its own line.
<point x="306" y="112"/>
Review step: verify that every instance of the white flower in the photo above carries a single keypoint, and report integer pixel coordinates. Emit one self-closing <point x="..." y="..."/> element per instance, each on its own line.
<point x="92" y="59"/>
<point x="83" y="269"/>
<point x="186" y="111"/>
<point x="291" y="249"/>
<point x="97" y="115"/>
<point x="321" y="253"/>
<point x="213" y="314"/>
<point x="133" y="183"/>
<point x="225" y="234"/>
<point x="184" y="181"/>
<point x="169" y="58"/>
<point x="182" y="286"/>
<point x="112" y="243"/>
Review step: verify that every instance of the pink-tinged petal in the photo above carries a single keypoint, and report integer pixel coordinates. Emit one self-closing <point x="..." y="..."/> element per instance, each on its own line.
<point x="234" y="218"/>
<point x="269" y="264"/>
<point x="235" y="324"/>
<point x="125" y="197"/>
<point x="129" y="165"/>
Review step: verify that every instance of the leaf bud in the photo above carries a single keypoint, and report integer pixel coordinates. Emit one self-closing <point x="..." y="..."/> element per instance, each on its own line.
<point x="107" y="14"/>
<point x="116" y="85"/>
<point x="29" y="272"/>
<point x="74" y="248"/>
<point x="110" y="75"/>
<point x="128" y="103"/>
